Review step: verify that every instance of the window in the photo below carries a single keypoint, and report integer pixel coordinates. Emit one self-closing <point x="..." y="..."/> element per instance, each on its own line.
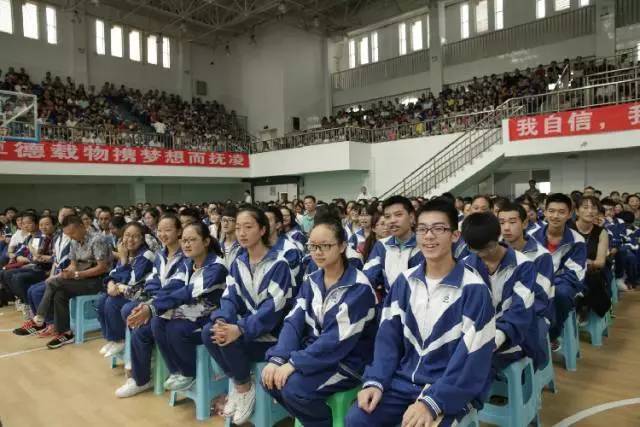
<point x="464" y="20"/>
<point x="374" y="47"/>
<point x="499" y="10"/>
<point x="402" y="39"/>
<point x="152" y="50"/>
<point x="166" y="52"/>
<point x="638" y="52"/>
<point x="562" y="4"/>
<point x="364" y="50"/>
<point x="134" y="46"/>
<point x="352" y="53"/>
<point x="52" y="26"/>
<point x="30" y="20"/>
<point x="584" y="3"/>
<point x="100" y="43"/>
<point x="6" y="19"/>
<point x="540" y="9"/>
<point x="416" y="36"/>
<point x="482" y="16"/>
<point x="116" y="41"/>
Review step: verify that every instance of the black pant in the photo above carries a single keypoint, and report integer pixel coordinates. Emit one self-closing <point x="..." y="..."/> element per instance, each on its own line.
<point x="59" y="291"/>
<point x="22" y="278"/>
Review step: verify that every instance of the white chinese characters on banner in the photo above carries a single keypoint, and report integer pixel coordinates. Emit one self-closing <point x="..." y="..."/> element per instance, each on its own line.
<point x="580" y="121"/>
<point x="527" y="126"/>
<point x="218" y="159"/>
<point x="124" y="155"/>
<point x="634" y="115"/>
<point x="552" y="124"/>
<point x="30" y="151"/>
<point x="150" y="155"/>
<point x="196" y="158"/>
<point x="96" y="153"/>
<point x="174" y="157"/>
<point x="62" y="151"/>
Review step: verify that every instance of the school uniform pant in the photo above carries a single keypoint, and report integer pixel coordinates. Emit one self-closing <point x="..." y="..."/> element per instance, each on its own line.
<point x="304" y="396"/>
<point x="564" y="302"/>
<point x="34" y="297"/>
<point x="57" y="294"/>
<point x="390" y="410"/>
<point x="177" y="340"/>
<point x="142" y="343"/>
<point x="237" y="358"/>
<point x="22" y="279"/>
<point x="110" y="317"/>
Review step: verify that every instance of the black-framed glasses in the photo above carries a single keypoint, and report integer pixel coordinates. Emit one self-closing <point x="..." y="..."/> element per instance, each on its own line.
<point x="437" y="229"/>
<point x="324" y="247"/>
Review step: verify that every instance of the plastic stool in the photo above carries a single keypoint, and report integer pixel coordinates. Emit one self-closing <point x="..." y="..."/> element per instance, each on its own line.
<point x="571" y="342"/>
<point x="339" y="403"/>
<point x="614" y="290"/>
<point x="210" y="382"/>
<point x="125" y="355"/>
<point x="160" y="372"/>
<point x="84" y="316"/>
<point x="522" y="398"/>
<point x="597" y="327"/>
<point x="267" y="411"/>
<point x="546" y="377"/>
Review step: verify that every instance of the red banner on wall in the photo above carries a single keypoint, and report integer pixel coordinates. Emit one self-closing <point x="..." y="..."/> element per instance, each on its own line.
<point x="51" y="151"/>
<point x="579" y="122"/>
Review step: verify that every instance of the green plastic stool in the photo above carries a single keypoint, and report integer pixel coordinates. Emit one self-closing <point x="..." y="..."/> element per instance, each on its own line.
<point x="160" y="372"/>
<point x="339" y="404"/>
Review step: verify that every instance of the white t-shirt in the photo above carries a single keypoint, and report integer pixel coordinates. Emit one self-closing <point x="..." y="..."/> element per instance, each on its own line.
<point x="17" y="239"/>
<point x="159" y="127"/>
<point x="248" y="199"/>
<point x="363" y="196"/>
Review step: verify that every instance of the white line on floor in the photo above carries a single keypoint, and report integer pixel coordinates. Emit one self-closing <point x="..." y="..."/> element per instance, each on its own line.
<point x="596" y="409"/>
<point x="18" y="353"/>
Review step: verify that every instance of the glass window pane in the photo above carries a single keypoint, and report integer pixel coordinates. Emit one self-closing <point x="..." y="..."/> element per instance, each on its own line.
<point x="152" y="50"/>
<point x="499" y="14"/>
<point x="374" y="47"/>
<point x="116" y="41"/>
<point x="416" y="35"/>
<point x="134" y="46"/>
<point x="402" y="38"/>
<point x="364" y="50"/>
<point x="30" y="20"/>
<point x="352" y="53"/>
<point x="584" y="3"/>
<point x="52" y="26"/>
<point x="563" y="4"/>
<point x="6" y="18"/>
<point x="482" y="16"/>
<point x="540" y="9"/>
<point x="166" y="52"/>
<point x="100" y="44"/>
<point x="464" y="20"/>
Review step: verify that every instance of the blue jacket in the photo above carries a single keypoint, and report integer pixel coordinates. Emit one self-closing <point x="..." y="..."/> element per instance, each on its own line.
<point x="353" y="258"/>
<point x="388" y="260"/>
<point x="356" y="239"/>
<point x="164" y="271"/>
<point x="230" y="254"/>
<point x="569" y="260"/>
<point x="61" y="248"/>
<point x="616" y="229"/>
<point x="437" y="338"/>
<point x="329" y="328"/>
<point x="298" y="237"/>
<point x="134" y="273"/>
<point x="544" y="288"/>
<point x="197" y="295"/>
<point x="255" y="301"/>
<point x="513" y="298"/>
<point x="291" y="252"/>
<point x="460" y="249"/>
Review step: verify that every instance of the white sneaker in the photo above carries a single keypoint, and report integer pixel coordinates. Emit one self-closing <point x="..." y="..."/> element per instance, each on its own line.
<point x="130" y="388"/>
<point x="230" y="406"/>
<point x="115" y="349"/>
<point x="621" y="285"/>
<point x="182" y="383"/>
<point x="105" y="348"/>
<point x="169" y="382"/>
<point x="245" y="403"/>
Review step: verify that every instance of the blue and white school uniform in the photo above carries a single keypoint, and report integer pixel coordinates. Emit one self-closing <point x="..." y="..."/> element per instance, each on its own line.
<point x="569" y="268"/>
<point x="328" y="337"/>
<point x="230" y="251"/>
<point x="61" y="248"/>
<point x="132" y="274"/>
<point x="298" y="237"/>
<point x="460" y="249"/>
<point x="167" y="273"/>
<point x="513" y="299"/>
<point x="389" y="258"/>
<point x="255" y="299"/>
<point x="434" y="344"/>
<point x="358" y="238"/>
<point x="181" y="309"/>
<point x="353" y="258"/>
<point x="291" y="252"/>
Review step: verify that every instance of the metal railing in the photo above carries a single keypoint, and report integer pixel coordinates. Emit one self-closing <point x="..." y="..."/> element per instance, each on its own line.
<point x="404" y="65"/>
<point x="568" y="25"/>
<point x="488" y="132"/>
<point x="618" y="75"/>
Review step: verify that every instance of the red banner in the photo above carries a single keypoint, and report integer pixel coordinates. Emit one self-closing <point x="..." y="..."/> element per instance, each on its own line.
<point x="613" y="118"/>
<point x="51" y="151"/>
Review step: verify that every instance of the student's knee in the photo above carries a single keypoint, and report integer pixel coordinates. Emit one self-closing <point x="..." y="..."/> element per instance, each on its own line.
<point x="295" y="391"/>
<point x="356" y="417"/>
<point x="127" y="309"/>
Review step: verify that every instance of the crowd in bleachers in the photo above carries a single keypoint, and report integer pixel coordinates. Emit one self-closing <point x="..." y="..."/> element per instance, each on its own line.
<point x="332" y="296"/>
<point x="114" y="114"/>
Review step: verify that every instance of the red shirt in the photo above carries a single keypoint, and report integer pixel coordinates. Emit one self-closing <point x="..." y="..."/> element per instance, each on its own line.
<point x="551" y="247"/>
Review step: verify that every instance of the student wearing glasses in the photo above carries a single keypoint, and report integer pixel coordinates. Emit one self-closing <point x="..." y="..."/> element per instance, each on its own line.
<point x="229" y="243"/>
<point x="433" y="349"/>
<point x="327" y="338"/>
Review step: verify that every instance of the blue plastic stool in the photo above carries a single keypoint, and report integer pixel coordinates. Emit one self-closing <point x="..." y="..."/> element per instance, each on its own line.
<point x="597" y="327"/>
<point x="160" y="372"/>
<point x="84" y="316"/>
<point x="546" y="377"/>
<point x="210" y="382"/>
<point x="522" y="397"/>
<point x="571" y="342"/>
<point x="267" y="411"/>
<point x="614" y="290"/>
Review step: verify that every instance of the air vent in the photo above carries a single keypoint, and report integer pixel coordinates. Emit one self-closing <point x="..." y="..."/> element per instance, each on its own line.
<point x="201" y="88"/>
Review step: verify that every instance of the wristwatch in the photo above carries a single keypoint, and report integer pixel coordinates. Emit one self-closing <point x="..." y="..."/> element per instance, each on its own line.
<point x="76" y="275"/>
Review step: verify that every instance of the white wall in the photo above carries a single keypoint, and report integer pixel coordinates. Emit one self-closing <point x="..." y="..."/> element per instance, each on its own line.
<point x="327" y="186"/>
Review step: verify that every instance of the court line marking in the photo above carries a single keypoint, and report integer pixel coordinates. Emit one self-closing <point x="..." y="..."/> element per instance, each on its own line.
<point x="595" y="410"/>
<point x="18" y="353"/>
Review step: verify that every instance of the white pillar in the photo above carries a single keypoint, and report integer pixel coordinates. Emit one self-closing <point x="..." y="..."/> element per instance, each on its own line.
<point x="436" y="30"/>
<point x="605" y="27"/>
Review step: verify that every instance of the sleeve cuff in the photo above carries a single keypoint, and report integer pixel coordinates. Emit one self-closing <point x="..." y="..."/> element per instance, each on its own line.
<point x="431" y="405"/>
<point x="501" y="337"/>
<point x="373" y="384"/>
<point x="154" y="311"/>
<point x="277" y="360"/>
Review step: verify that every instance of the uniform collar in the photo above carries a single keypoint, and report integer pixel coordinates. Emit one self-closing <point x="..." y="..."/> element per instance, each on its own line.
<point x="348" y="278"/>
<point x="411" y="243"/>
<point x="453" y="279"/>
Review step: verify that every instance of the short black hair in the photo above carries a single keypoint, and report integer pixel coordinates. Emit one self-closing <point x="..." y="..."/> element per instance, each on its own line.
<point x="29" y="214"/>
<point x="308" y="196"/>
<point x="558" y="198"/>
<point x="607" y="202"/>
<point x="230" y="211"/>
<point x="398" y="200"/>
<point x="514" y="207"/>
<point x="444" y="206"/>
<point x="118" y="221"/>
<point x="276" y="212"/>
<point x="479" y="229"/>
<point x="192" y="212"/>
<point x="483" y="196"/>
<point x="71" y="220"/>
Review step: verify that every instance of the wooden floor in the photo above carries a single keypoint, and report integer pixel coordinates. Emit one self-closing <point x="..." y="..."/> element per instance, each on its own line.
<point x="74" y="386"/>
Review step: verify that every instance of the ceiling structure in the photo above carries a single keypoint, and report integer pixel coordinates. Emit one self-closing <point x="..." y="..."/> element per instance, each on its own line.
<point x="216" y="22"/>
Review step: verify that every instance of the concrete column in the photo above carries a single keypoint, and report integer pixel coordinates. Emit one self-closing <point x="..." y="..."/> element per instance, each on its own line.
<point x="185" y="80"/>
<point x="77" y="30"/>
<point x="139" y="191"/>
<point x="436" y="31"/>
<point x="328" y="91"/>
<point x="605" y="27"/>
